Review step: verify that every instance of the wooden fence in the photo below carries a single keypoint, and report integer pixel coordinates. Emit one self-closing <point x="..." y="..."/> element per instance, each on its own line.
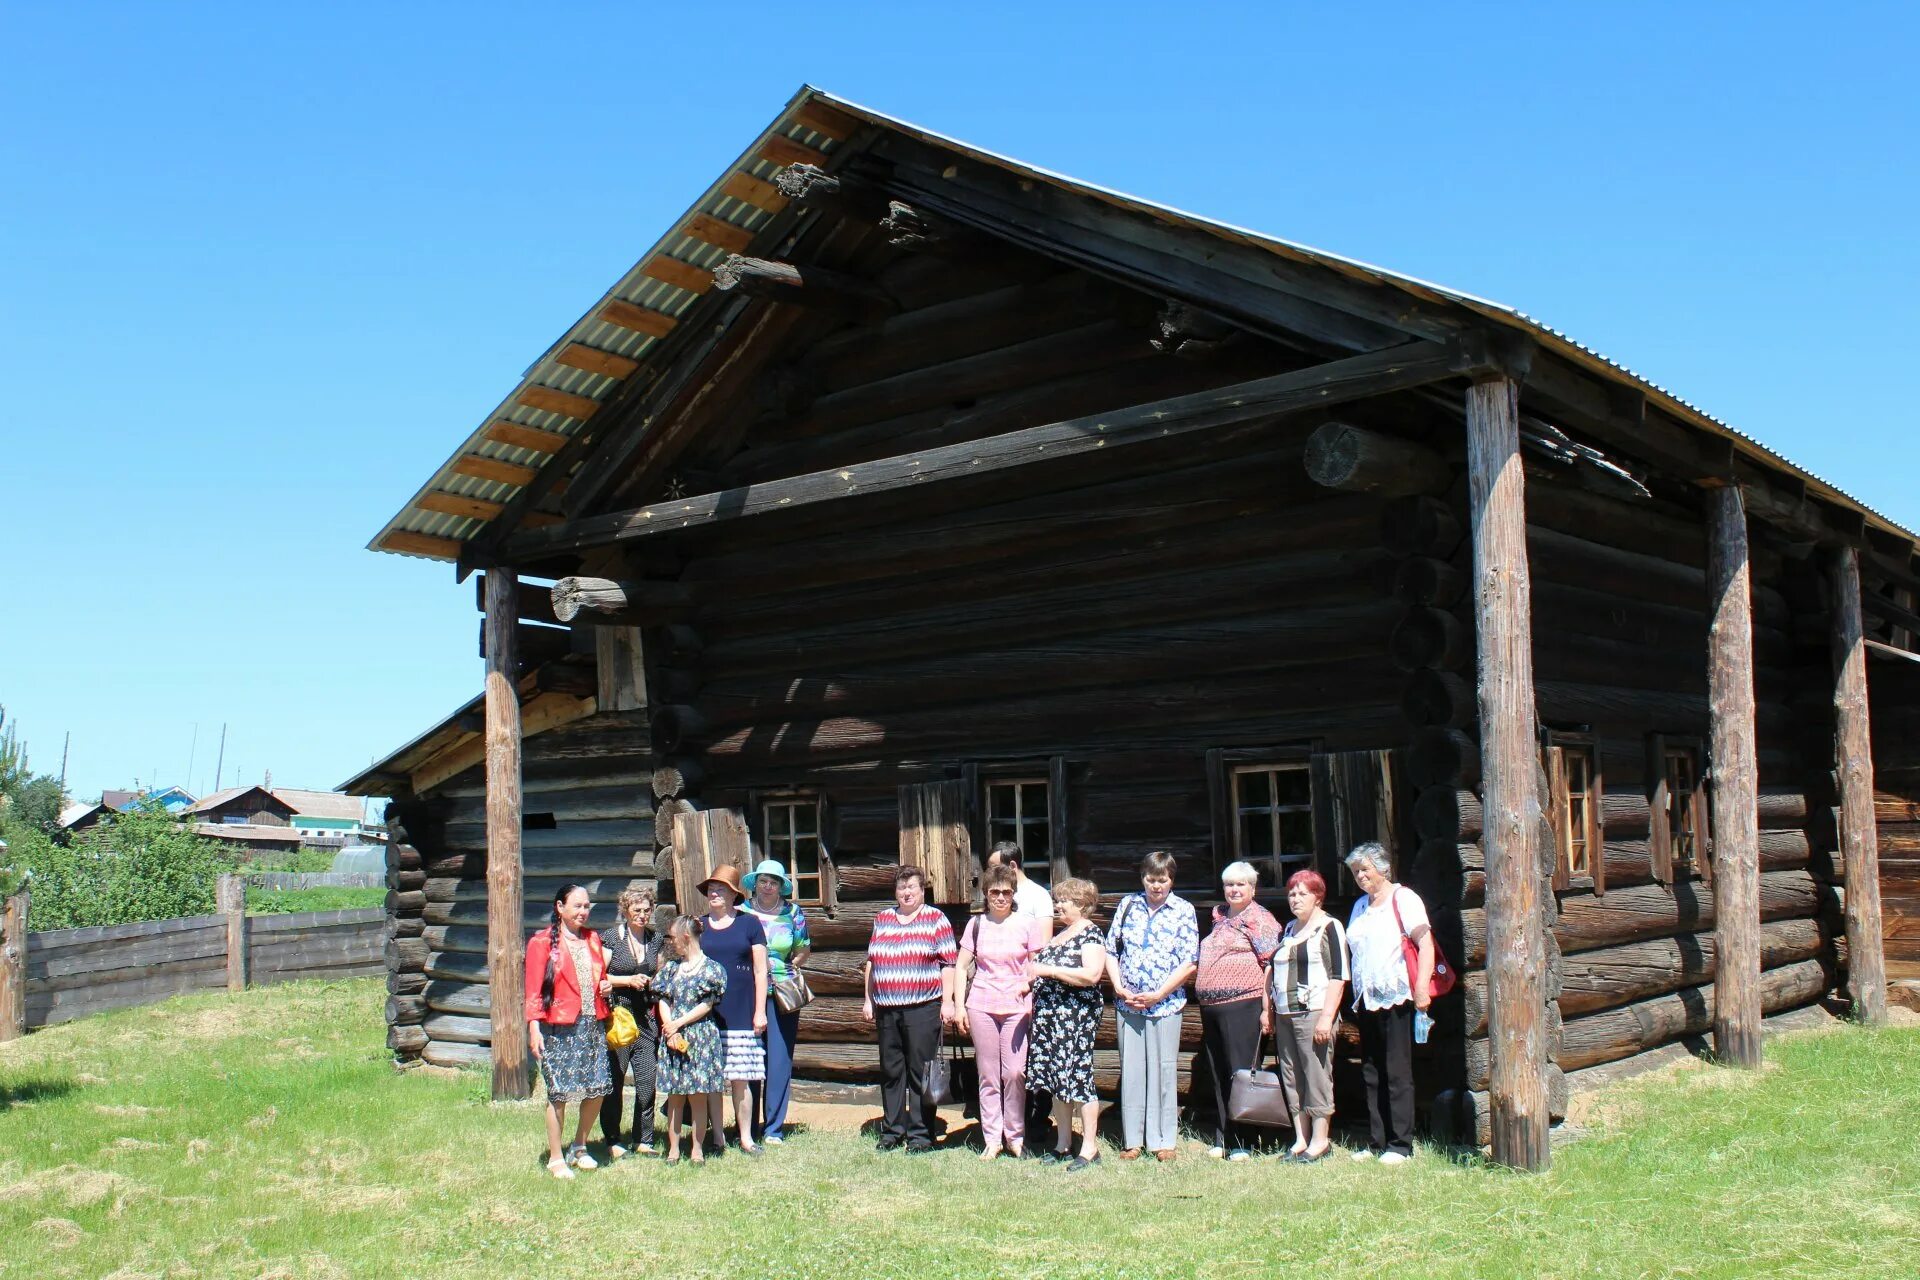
<point x="281" y="880"/>
<point x="63" y="974"/>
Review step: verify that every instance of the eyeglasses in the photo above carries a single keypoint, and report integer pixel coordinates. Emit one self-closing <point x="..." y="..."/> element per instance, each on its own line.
<point x="999" y="893"/>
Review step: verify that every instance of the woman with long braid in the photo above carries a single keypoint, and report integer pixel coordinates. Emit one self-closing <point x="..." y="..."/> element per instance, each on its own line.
<point x="566" y="1011"/>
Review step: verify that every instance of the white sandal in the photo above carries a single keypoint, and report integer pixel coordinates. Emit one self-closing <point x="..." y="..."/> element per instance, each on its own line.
<point x="577" y="1157"/>
<point x="558" y="1168"/>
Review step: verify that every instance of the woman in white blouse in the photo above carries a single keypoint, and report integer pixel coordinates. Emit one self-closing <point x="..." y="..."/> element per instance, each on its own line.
<point x="1388" y="986"/>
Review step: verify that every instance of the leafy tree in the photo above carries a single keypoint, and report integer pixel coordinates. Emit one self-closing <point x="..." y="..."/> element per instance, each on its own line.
<point x="13" y="758"/>
<point x="139" y="865"/>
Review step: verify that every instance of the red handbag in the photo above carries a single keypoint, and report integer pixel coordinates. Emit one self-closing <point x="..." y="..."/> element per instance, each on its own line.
<point x="1443" y="975"/>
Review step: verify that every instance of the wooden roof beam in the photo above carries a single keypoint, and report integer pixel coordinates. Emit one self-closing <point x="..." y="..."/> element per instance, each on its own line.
<point x="472" y="464"/>
<point x="1339" y="382"/>
<point x="806" y="286"/>
<point x="608" y="364"/>
<point x="553" y="400"/>
<point x="681" y="275"/>
<point x="421" y="544"/>
<point x="525" y="437"/>
<point x="457" y="504"/>
<point x="656" y="324"/>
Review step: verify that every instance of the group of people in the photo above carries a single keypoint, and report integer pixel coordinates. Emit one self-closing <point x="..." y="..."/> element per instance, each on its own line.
<point x="1023" y="981"/>
<point x="706" y="1023"/>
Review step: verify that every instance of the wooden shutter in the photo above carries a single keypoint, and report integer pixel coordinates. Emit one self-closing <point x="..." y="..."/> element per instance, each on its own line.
<point x="1659" y="824"/>
<point x="934" y="836"/>
<point x="1357" y="796"/>
<point x="704" y="839"/>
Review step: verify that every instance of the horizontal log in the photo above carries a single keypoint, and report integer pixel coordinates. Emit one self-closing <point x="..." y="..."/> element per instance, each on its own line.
<point x="1440" y="757"/>
<point x="405" y="984"/>
<point x="406" y="1041"/>
<point x="1591" y="981"/>
<point x="1424" y="580"/>
<point x="1427" y="637"/>
<point x="406" y="1010"/>
<point x="467" y="965"/>
<point x="806" y="285"/>
<point x="594" y="862"/>
<point x="531" y="600"/>
<point x="1360" y="460"/>
<point x="1300" y="698"/>
<point x="453" y="1028"/>
<point x="1466" y="1116"/>
<point x="193" y="962"/>
<point x="1623" y="814"/>
<point x="613" y="833"/>
<point x="407" y="954"/>
<point x="1421" y="526"/>
<point x="988" y="672"/>
<point x="1652" y="911"/>
<point x="604" y="601"/>
<point x="449" y="1053"/>
<point x="677" y="777"/>
<point x="1322" y="385"/>
<point x="1648" y="1024"/>
<point x="587" y="799"/>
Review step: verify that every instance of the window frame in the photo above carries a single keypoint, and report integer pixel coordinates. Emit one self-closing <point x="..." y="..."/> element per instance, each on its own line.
<point x="1556" y="746"/>
<point x="761" y="830"/>
<point x="1224" y="766"/>
<point x="1661" y="748"/>
<point x="1047" y="771"/>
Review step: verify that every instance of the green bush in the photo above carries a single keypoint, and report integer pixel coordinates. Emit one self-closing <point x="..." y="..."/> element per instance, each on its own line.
<point x="282" y="902"/>
<point x="139" y="865"/>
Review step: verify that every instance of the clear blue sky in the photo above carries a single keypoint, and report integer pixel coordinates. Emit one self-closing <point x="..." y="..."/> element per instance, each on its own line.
<point x="265" y="266"/>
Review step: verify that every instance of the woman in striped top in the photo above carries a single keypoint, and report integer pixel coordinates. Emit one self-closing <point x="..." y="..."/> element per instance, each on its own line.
<point x="1309" y="978"/>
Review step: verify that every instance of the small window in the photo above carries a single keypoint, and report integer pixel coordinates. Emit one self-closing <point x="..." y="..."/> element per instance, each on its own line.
<point x="1273" y="816"/>
<point x="1573" y="774"/>
<point x="792" y="834"/>
<point x="1678" y="829"/>
<point x="1683" y="784"/>
<point x="1018" y="811"/>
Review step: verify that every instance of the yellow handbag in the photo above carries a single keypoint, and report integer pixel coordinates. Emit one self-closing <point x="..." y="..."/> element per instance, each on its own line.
<point x="622" y="1030"/>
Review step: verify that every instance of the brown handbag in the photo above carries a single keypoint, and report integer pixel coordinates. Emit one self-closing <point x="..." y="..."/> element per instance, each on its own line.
<point x="1257" y="1098"/>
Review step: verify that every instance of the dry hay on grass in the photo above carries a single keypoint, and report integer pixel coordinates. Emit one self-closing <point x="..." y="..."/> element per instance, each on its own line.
<point x="61" y="1233"/>
<point x="128" y="1110"/>
<point x="77" y="1186"/>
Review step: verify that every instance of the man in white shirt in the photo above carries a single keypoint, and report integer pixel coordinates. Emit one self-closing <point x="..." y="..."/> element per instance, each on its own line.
<point x="1029" y="899"/>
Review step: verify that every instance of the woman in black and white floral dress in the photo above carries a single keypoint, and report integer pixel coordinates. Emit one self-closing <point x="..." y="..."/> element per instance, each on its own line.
<point x="1066" y="1014"/>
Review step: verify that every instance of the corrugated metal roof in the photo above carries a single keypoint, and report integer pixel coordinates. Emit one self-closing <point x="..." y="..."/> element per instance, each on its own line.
<point x="640" y="288"/>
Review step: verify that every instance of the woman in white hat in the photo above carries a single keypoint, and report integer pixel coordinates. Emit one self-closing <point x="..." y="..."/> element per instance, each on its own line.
<point x="738" y="944"/>
<point x="770" y="901"/>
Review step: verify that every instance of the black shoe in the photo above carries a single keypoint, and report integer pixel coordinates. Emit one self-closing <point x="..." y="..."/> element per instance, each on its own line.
<point x="919" y="1147"/>
<point x="889" y="1142"/>
<point x="1050" y="1156"/>
<point x="1078" y="1163"/>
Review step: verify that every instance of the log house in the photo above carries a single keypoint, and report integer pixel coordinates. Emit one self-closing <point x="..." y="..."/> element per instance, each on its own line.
<point x="905" y="498"/>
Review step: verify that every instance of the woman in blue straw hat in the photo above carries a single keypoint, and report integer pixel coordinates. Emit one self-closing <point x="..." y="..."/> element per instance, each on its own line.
<point x="770" y="901"/>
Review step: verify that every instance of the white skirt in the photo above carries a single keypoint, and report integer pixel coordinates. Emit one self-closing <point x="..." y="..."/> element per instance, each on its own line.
<point x="746" y="1056"/>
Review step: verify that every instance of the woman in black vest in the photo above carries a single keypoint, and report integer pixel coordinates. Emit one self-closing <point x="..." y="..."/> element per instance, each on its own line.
<point x="633" y="958"/>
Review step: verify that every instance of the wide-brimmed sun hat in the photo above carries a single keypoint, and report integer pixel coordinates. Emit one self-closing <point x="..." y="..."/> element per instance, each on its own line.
<point x="771" y="867"/>
<point x="726" y="874"/>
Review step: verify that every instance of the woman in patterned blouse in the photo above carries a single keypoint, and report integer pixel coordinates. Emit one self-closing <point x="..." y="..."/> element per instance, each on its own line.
<point x="1232" y="988"/>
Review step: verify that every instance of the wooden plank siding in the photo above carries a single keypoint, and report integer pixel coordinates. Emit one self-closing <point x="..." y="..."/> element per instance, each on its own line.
<point x="1894" y="688"/>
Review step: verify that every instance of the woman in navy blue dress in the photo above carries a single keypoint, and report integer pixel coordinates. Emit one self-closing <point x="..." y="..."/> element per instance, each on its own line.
<point x="738" y="944"/>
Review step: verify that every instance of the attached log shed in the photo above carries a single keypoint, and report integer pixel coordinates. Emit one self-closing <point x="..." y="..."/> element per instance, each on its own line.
<point x="905" y="498"/>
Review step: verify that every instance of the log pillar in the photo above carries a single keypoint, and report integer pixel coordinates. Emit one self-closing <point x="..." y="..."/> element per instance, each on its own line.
<point x="506" y="956"/>
<point x="13" y="967"/>
<point x="1853" y="768"/>
<point x="1736" y="783"/>
<point x="230" y="896"/>
<point x="1516" y="906"/>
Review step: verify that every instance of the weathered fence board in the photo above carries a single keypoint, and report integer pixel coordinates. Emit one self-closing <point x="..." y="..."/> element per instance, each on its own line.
<point x="71" y="973"/>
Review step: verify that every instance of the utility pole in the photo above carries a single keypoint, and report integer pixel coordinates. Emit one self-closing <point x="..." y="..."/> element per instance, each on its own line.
<point x="65" y="743"/>
<point x="192" y="750"/>
<point x="222" y="757"/>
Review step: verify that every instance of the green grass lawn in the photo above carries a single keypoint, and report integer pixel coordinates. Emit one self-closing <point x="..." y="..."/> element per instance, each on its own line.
<point x="267" y="1135"/>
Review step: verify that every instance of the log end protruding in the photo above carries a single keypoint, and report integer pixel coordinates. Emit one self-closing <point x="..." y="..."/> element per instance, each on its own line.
<point x="1358" y="460"/>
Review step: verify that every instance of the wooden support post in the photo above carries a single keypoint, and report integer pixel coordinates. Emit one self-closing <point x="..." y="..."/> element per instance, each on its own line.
<point x="1736" y="783"/>
<point x="230" y="896"/>
<point x="621" y="683"/>
<point x="13" y="967"/>
<point x="506" y="958"/>
<point x="1853" y="766"/>
<point x="1516" y="912"/>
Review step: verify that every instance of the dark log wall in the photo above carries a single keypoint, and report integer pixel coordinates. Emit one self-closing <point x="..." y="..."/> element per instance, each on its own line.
<point x="1620" y="648"/>
<point x="588" y="818"/>
<point x="1894" y="686"/>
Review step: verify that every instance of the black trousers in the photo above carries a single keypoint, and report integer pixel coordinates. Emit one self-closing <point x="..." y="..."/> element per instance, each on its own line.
<point x="909" y="1037"/>
<point x="1231" y="1036"/>
<point x="638" y="1060"/>
<point x="1386" y="1052"/>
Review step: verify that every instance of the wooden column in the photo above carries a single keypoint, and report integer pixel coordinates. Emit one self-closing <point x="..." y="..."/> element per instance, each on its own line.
<point x="230" y="896"/>
<point x="13" y="967"/>
<point x="506" y="955"/>
<point x="1853" y="767"/>
<point x="1736" y="783"/>
<point x="1516" y="908"/>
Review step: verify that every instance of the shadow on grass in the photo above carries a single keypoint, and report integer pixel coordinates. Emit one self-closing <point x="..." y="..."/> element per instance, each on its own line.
<point x="24" y="1093"/>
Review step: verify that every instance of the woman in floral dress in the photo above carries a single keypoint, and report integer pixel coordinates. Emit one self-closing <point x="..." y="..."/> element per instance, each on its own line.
<point x="691" y="1053"/>
<point x="1066" y="1014"/>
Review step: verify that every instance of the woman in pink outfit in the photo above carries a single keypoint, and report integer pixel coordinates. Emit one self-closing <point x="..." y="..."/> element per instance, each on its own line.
<point x="997" y="1009"/>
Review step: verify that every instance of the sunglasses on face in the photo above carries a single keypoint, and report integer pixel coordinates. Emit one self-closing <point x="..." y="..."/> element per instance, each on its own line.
<point x="999" y="893"/>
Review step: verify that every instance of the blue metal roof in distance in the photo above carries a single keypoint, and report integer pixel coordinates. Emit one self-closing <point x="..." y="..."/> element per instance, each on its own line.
<point x="617" y="335"/>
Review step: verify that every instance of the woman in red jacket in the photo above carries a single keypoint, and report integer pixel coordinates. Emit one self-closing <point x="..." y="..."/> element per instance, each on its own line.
<point x="568" y="1035"/>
